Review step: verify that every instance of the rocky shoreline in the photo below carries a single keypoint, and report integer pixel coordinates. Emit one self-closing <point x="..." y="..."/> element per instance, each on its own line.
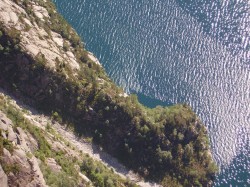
<point x="44" y="63"/>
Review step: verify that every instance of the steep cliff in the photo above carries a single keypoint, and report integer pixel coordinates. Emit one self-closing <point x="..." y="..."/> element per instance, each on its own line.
<point x="37" y="151"/>
<point x="43" y="62"/>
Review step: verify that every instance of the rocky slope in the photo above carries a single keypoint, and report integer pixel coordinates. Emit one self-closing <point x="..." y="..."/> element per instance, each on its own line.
<point x="21" y="169"/>
<point x="20" y="146"/>
<point x="43" y="63"/>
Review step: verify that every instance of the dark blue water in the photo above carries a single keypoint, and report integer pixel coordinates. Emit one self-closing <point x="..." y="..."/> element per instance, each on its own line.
<point x="171" y="51"/>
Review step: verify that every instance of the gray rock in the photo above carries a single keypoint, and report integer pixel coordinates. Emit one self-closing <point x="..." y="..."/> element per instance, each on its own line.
<point x="21" y="138"/>
<point x="53" y="165"/>
<point x="6" y="154"/>
<point x="4" y="135"/>
<point x="38" y="179"/>
<point x="3" y="178"/>
<point x="4" y="121"/>
<point x="19" y="156"/>
<point x="12" y="135"/>
<point x="3" y="125"/>
<point x="31" y="142"/>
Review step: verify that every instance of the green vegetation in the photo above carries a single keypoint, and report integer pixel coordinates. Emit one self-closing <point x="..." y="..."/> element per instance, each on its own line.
<point x="101" y="175"/>
<point x="167" y="144"/>
<point x="54" y="179"/>
<point x="9" y="44"/>
<point x="14" y="168"/>
<point x="67" y="177"/>
<point x="98" y="173"/>
<point x="5" y="143"/>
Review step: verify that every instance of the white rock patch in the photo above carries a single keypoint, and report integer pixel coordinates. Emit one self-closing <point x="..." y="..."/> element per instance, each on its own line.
<point x="36" y="39"/>
<point x="40" y="12"/>
<point x="57" y="38"/>
<point x="93" y="58"/>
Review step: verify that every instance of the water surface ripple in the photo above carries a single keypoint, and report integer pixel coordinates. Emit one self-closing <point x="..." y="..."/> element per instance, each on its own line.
<point x="196" y="52"/>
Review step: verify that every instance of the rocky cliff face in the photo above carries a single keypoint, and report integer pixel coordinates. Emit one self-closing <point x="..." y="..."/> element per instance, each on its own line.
<point x="26" y="45"/>
<point x="28" y="20"/>
<point x="43" y="63"/>
<point x="22" y="170"/>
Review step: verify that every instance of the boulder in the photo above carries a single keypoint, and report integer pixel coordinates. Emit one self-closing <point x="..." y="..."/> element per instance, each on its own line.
<point x="12" y="135"/>
<point x="53" y="165"/>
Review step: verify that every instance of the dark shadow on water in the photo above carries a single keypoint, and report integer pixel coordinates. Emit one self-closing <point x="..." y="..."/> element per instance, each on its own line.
<point x="151" y="102"/>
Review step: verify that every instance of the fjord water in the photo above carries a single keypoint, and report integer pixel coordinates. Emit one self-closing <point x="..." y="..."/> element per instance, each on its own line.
<point x="175" y="51"/>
